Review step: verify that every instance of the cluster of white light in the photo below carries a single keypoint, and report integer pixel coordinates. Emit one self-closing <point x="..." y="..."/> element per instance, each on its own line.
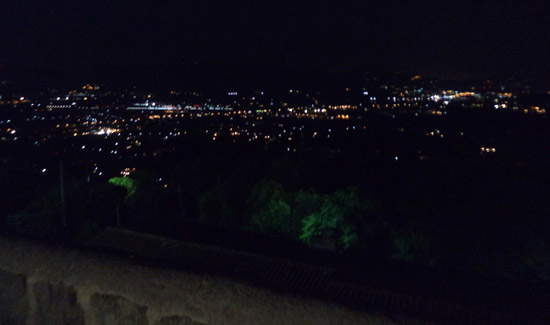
<point x="154" y="107"/>
<point x="58" y="106"/>
<point x="106" y="131"/>
<point x="487" y="149"/>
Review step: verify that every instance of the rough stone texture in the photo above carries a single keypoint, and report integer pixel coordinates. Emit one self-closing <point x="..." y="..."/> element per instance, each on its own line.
<point x="114" y="291"/>
<point x="56" y="304"/>
<point x="116" y="310"/>
<point x="176" y="320"/>
<point x="13" y="299"/>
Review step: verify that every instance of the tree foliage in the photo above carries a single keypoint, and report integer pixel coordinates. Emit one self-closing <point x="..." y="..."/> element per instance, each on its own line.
<point x="322" y="220"/>
<point x="270" y="208"/>
<point x="411" y="246"/>
<point x="127" y="183"/>
<point x="336" y="222"/>
<point x="215" y="206"/>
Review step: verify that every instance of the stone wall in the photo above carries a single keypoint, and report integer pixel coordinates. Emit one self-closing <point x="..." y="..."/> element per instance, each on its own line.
<point x="53" y="285"/>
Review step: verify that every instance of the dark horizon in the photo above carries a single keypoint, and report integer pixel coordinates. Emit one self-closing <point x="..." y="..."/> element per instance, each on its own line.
<point x="222" y="77"/>
<point x="450" y="41"/>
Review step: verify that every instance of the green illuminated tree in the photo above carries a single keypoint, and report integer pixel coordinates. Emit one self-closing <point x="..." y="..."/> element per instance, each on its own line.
<point x="125" y="182"/>
<point x="335" y="224"/>
<point x="130" y="186"/>
<point x="306" y="203"/>
<point x="270" y="208"/>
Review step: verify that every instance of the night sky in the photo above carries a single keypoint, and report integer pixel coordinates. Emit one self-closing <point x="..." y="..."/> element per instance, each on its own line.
<point x="443" y="37"/>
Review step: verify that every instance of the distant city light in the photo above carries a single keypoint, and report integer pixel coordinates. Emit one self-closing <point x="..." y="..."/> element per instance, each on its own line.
<point x="488" y="150"/>
<point x="127" y="172"/>
<point x="106" y="131"/>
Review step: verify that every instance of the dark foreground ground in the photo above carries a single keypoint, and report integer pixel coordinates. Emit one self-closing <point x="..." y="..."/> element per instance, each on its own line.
<point x="148" y="265"/>
<point x="394" y="290"/>
<point x="53" y="284"/>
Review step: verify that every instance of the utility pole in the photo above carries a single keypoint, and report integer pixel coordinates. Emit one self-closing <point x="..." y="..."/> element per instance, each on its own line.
<point x="180" y="199"/>
<point x="62" y="195"/>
